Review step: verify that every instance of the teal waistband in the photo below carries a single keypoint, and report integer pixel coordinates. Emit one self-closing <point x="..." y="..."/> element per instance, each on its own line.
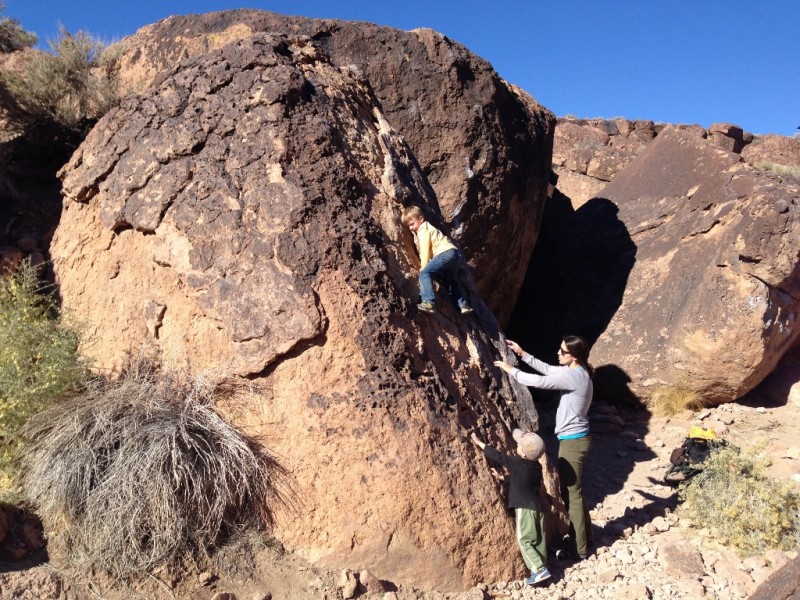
<point x="573" y="436"/>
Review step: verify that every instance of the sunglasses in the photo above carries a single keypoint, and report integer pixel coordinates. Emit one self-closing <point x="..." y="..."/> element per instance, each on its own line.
<point x="563" y="352"/>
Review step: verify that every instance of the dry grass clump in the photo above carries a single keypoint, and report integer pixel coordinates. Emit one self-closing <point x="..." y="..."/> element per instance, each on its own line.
<point x="785" y="170"/>
<point x="742" y="506"/>
<point x="142" y="472"/>
<point x="670" y="400"/>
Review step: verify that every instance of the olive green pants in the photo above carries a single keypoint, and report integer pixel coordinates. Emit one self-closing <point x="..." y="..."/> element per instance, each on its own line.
<point x="571" y="454"/>
<point x="530" y="537"/>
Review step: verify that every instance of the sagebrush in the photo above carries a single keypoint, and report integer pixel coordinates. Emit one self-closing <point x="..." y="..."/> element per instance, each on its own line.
<point x="741" y="505"/>
<point x="13" y="37"/>
<point x="39" y="362"/>
<point x="71" y="85"/>
<point x="142" y="471"/>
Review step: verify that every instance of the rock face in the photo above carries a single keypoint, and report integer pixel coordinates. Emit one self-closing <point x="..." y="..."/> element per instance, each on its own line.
<point x="773" y="149"/>
<point x="587" y="154"/>
<point x="243" y="213"/>
<point x="484" y="146"/>
<point x="684" y="269"/>
<point x="784" y="583"/>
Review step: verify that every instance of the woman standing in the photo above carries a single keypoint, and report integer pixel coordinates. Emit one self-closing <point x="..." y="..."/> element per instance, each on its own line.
<point x="573" y="378"/>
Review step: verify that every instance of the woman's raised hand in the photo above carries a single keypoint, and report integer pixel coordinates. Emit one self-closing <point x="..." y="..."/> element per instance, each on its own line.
<point x="515" y="347"/>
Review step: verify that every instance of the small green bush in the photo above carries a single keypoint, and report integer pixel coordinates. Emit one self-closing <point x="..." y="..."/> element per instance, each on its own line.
<point x="39" y="363"/>
<point x="741" y="505"/>
<point x="142" y="471"/>
<point x="72" y="85"/>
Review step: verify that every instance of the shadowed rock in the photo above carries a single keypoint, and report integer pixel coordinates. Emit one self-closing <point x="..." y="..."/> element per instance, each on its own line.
<point x="693" y="282"/>
<point x="483" y="145"/>
<point x="243" y="213"/>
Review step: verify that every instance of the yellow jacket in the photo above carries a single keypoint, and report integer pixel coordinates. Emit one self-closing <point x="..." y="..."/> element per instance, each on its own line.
<point x="430" y="242"/>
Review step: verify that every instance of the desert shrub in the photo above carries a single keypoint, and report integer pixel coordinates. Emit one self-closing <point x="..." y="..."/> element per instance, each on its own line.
<point x="71" y="85"/>
<point x="785" y="170"/>
<point x="13" y="37"/>
<point x="142" y="471"/>
<point x="672" y="399"/>
<point x="39" y="363"/>
<point x="741" y="505"/>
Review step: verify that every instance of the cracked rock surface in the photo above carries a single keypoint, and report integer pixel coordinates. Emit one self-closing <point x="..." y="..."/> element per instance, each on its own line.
<point x="242" y="214"/>
<point x="484" y="145"/>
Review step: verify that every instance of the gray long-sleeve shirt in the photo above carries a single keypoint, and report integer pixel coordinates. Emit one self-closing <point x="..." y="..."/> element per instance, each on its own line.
<point x="575" y="385"/>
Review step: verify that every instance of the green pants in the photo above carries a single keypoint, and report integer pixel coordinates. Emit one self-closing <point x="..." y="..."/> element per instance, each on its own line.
<point x="530" y="537"/>
<point x="571" y="454"/>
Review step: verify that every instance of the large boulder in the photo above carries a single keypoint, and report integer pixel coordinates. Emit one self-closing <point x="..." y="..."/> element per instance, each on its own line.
<point x="243" y="214"/>
<point x="484" y="146"/>
<point x="684" y="269"/>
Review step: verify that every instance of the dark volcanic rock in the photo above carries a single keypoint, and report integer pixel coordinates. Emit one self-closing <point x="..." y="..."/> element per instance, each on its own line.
<point x="243" y="214"/>
<point x="684" y="269"/>
<point x="484" y="146"/>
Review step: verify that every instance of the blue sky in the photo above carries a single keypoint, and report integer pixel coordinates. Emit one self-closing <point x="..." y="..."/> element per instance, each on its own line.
<point x="682" y="61"/>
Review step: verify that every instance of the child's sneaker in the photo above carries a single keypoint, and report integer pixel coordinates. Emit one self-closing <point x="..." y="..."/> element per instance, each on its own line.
<point x="538" y="577"/>
<point x="427" y="307"/>
<point x="466" y="310"/>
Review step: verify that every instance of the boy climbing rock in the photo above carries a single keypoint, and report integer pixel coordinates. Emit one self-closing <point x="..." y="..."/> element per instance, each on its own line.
<point x="525" y="478"/>
<point x="439" y="259"/>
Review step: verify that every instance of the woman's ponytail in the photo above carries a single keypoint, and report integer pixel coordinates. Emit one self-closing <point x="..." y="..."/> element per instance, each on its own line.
<point x="579" y="350"/>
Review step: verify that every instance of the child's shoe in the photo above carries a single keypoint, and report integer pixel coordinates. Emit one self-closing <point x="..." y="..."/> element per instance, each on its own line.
<point x="538" y="577"/>
<point x="466" y="310"/>
<point x="427" y="307"/>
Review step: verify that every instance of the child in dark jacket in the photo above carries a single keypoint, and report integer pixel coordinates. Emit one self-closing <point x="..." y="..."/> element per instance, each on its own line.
<point x="525" y="478"/>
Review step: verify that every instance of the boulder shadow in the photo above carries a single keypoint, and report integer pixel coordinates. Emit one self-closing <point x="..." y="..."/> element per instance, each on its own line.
<point x="575" y="284"/>
<point x="576" y="277"/>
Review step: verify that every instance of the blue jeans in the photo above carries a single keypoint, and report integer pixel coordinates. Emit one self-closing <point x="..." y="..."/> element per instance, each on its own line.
<point x="444" y="269"/>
